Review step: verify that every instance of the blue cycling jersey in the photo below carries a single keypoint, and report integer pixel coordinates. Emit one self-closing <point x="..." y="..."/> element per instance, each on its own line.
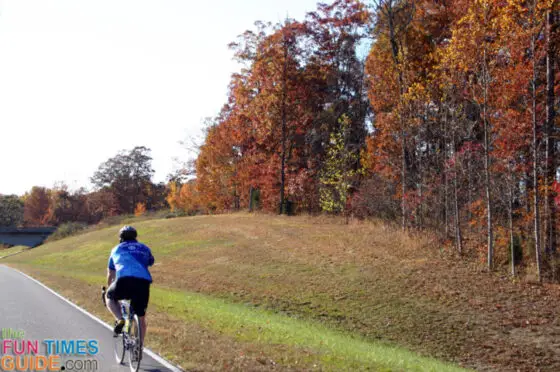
<point x="131" y="259"/>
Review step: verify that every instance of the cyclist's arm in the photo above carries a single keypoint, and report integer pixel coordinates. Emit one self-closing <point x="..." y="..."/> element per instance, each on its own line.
<point x="111" y="273"/>
<point x="110" y="276"/>
<point x="151" y="258"/>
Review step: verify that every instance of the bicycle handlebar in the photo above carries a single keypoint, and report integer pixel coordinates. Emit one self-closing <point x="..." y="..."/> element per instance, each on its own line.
<point x="103" y="293"/>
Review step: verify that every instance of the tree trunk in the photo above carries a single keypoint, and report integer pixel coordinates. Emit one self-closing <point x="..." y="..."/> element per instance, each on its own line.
<point x="528" y="185"/>
<point x="403" y="180"/>
<point x="458" y="236"/>
<point x="550" y="160"/>
<point x="487" y="168"/>
<point x="534" y="146"/>
<point x="469" y="184"/>
<point x="284" y="128"/>
<point x="420" y="201"/>
<point x="397" y="61"/>
<point x="510" y="183"/>
<point x="445" y="180"/>
<point x="251" y="199"/>
<point x="511" y="242"/>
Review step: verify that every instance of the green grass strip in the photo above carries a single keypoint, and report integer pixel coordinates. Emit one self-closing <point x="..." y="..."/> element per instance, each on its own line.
<point x="336" y="350"/>
<point x="10" y="251"/>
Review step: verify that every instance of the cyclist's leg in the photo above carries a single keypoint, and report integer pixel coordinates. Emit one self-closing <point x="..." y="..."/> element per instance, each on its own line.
<point x="143" y="327"/>
<point x="113" y="300"/>
<point x="140" y="303"/>
<point x="115" y="293"/>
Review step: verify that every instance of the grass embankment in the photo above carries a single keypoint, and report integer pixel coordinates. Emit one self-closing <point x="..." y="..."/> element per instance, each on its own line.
<point x="247" y="292"/>
<point x="11" y="251"/>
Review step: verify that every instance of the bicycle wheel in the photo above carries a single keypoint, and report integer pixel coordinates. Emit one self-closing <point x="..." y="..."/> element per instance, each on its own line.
<point x="135" y="344"/>
<point x="120" y="347"/>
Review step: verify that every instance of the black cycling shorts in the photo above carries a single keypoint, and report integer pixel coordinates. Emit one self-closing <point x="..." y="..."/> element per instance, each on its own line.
<point x="136" y="290"/>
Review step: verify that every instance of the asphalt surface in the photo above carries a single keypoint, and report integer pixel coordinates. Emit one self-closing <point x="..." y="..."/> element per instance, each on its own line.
<point x="27" y="306"/>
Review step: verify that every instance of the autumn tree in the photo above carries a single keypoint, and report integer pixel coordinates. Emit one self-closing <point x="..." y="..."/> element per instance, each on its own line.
<point x="140" y="209"/>
<point x="101" y="204"/>
<point x="190" y="198"/>
<point x="66" y="206"/>
<point x="338" y="173"/>
<point x="473" y="49"/>
<point x="271" y="103"/>
<point x="173" y="195"/>
<point x="552" y="38"/>
<point x="518" y="116"/>
<point x="393" y="19"/>
<point x="36" y="206"/>
<point x="335" y="33"/>
<point x="127" y="176"/>
<point x="216" y="168"/>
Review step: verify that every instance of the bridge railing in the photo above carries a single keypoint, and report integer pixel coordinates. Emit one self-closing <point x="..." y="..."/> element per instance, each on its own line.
<point x="28" y="236"/>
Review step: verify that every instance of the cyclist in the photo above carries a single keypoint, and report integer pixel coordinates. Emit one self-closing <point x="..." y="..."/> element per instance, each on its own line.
<point x="128" y="277"/>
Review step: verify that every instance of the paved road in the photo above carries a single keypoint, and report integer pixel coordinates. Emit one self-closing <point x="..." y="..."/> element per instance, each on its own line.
<point x="26" y="305"/>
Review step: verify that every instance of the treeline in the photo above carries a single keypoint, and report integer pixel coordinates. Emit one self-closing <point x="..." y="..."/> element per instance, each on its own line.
<point x="433" y="114"/>
<point x="450" y="123"/>
<point x="123" y="185"/>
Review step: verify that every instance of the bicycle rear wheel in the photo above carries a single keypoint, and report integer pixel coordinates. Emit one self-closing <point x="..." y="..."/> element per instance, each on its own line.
<point x="135" y="344"/>
<point x="120" y="347"/>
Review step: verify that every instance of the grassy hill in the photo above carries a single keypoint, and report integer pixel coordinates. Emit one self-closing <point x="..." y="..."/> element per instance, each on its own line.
<point x="10" y="251"/>
<point x="248" y="292"/>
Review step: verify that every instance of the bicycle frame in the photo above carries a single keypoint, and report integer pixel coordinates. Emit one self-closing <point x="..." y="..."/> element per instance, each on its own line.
<point x="129" y="341"/>
<point x="128" y="315"/>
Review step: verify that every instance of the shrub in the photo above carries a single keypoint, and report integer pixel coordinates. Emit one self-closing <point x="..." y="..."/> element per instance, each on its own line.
<point x="517" y="250"/>
<point x="115" y="220"/>
<point x="176" y="213"/>
<point x="374" y="199"/>
<point x="67" y="229"/>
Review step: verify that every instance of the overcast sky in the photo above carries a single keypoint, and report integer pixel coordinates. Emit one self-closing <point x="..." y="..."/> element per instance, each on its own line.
<point x="82" y="79"/>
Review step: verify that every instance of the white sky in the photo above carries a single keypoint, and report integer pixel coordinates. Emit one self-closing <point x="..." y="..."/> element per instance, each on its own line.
<point x="82" y="79"/>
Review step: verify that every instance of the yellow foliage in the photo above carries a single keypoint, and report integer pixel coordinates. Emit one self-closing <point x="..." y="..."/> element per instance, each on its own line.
<point x="172" y="196"/>
<point x="185" y="198"/>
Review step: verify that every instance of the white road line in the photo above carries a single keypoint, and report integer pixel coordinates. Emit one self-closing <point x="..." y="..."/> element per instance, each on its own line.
<point x="155" y="356"/>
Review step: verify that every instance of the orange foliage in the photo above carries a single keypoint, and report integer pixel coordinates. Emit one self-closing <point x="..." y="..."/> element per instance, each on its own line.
<point x="140" y="209"/>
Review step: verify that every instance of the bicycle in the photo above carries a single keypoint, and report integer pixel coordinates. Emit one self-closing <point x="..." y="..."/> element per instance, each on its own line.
<point x="130" y="339"/>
